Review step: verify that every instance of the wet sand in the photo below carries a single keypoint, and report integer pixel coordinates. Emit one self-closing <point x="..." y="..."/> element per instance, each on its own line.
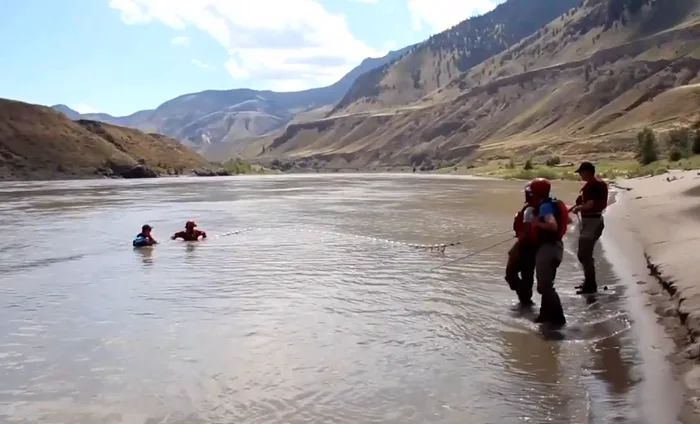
<point x="656" y="223"/>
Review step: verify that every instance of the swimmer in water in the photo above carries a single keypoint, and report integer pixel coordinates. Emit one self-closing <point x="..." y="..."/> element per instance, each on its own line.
<point x="144" y="238"/>
<point x="190" y="234"/>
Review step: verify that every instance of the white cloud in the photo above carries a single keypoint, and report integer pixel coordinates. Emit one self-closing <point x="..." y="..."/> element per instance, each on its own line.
<point x="201" y="64"/>
<point x="83" y="108"/>
<point x="440" y="15"/>
<point x="182" y="40"/>
<point x="281" y="45"/>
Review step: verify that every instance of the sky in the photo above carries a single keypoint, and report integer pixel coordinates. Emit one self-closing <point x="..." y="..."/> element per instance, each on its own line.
<point x="121" y="56"/>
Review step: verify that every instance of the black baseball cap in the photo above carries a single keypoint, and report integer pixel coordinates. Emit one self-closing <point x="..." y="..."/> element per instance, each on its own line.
<point x="585" y="166"/>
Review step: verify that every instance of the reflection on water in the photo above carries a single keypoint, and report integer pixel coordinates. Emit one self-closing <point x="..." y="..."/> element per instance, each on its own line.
<point x="146" y="254"/>
<point x="298" y="320"/>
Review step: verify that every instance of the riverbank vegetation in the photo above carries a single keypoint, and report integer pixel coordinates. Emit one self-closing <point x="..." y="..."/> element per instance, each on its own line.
<point x="238" y="166"/>
<point x="655" y="154"/>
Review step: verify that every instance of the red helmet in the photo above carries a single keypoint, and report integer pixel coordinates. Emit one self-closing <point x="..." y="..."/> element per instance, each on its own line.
<point x="190" y="224"/>
<point x="540" y="187"/>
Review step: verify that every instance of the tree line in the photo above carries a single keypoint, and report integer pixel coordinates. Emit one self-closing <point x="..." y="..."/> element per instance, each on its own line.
<point x="680" y="143"/>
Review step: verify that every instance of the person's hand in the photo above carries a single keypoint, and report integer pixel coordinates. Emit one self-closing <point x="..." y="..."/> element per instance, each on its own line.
<point x="173" y="238"/>
<point x="574" y="209"/>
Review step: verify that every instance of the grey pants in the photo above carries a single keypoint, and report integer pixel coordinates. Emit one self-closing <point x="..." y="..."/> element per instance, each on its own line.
<point x="591" y="230"/>
<point x="547" y="261"/>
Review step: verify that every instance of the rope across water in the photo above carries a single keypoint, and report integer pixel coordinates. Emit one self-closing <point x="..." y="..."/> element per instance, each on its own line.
<point x="439" y="247"/>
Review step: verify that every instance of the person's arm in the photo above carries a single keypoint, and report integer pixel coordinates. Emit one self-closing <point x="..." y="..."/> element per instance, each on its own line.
<point x="152" y="240"/>
<point x="204" y="234"/>
<point x="579" y="202"/>
<point x="548" y="221"/>
<point x="528" y="217"/>
<point x="178" y="234"/>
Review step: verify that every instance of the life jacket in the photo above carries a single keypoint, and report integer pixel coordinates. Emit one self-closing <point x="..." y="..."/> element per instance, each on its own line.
<point x="519" y="224"/>
<point x="598" y="205"/>
<point x="561" y="215"/>
<point x="140" y="240"/>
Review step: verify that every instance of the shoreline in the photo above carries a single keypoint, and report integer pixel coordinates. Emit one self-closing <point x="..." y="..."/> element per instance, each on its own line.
<point x="653" y="234"/>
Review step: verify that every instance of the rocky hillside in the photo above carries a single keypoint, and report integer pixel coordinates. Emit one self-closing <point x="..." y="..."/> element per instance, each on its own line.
<point x="227" y="116"/>
<point x="37" y="142"/>
<point x="442" y="57"/>
<point x="583" y="83"/>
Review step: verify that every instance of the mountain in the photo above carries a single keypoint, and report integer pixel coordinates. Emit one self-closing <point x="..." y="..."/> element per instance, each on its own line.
<point x="215" y="116"/>
<point x="444" y="56"/>
<point x="37" y="142"/>
<point x="582" y="84"/>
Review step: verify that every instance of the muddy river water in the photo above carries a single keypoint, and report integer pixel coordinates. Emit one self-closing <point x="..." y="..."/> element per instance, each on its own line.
<point x="310" y="316"/>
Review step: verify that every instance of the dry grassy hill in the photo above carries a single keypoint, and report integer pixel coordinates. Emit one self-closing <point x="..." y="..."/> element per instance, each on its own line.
<point x="584" y="83"/>
<point x="40" y="143"/>
<point x="442" y="57"/>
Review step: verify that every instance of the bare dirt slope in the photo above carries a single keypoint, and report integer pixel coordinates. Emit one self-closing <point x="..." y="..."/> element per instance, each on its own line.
<point x="442" y="57"/>
<point x="586" y="82"/>
<point x="39" y="142"/>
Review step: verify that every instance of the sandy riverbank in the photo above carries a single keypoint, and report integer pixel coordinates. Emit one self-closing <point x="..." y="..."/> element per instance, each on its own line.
<point x="656" y="220"/>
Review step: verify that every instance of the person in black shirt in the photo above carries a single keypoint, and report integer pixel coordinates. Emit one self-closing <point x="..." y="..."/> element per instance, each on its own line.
<point x="590" y="204"/>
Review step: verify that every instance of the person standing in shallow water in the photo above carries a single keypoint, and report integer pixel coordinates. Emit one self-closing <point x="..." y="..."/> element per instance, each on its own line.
<point x="520" y="270"/>
<point x="550" y="226"/>
<point x="590" y="204"/>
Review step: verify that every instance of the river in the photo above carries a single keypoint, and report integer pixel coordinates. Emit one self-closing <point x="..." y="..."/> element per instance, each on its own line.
<point x="309" y="316"/>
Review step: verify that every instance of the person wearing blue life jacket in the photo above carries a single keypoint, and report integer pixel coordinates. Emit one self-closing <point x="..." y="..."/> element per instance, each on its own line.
<point x="144" y="238"/>
<point x="550" y="226"/>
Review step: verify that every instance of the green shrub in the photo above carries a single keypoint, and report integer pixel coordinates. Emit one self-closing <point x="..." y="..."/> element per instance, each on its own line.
<point x="647" y="148"/>
<point x="553" y="161"/>
<point x="675" y="154"/>
<point x="678" y="143"/>
<point x="696" y="143"/>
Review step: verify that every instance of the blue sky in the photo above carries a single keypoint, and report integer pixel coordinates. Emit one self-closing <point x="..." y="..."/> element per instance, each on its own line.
<point x="120" y="56"/>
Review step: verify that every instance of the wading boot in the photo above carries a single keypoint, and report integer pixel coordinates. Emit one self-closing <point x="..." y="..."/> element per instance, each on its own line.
<point x="588" y="287"/>
<point x="525" y="302"/>
<point x="551" y="311"/>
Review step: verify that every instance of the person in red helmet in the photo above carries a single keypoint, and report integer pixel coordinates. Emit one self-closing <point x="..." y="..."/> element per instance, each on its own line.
<point x="551" y="225"/>
<point x="190" y="234"/>
<point x="520" y="270"/>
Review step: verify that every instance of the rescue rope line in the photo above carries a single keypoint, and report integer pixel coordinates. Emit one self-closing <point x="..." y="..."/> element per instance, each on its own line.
<point x="439" y="247"/>
<point x="472" y="254"/>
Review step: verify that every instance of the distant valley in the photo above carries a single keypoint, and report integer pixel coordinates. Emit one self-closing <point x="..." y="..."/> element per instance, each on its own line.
<point x="529" y="79"/>
<point x="231" y="117"/>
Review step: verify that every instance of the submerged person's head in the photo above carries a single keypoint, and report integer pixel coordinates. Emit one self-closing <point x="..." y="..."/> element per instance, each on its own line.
<point x="146" y="229"/>
<point x="189" y="225"/>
